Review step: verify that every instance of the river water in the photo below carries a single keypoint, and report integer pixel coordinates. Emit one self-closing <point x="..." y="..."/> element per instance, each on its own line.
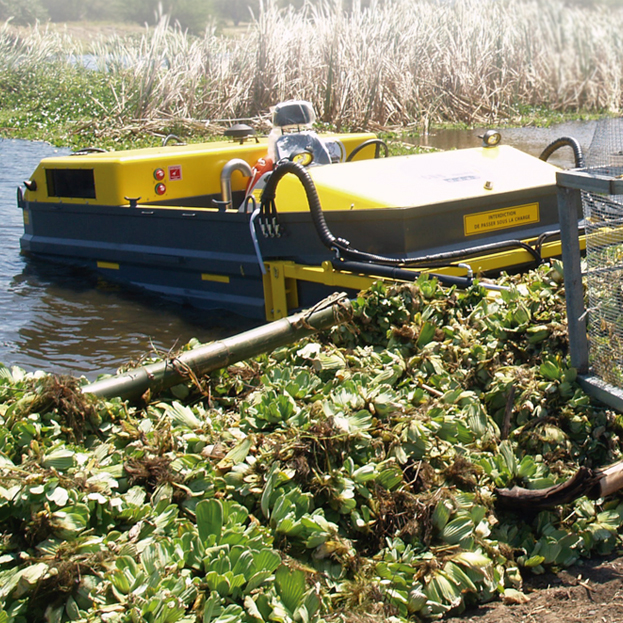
<point x="64" y="321"/>
<point x="59" y="320"/>
<point x="532" y="140"/>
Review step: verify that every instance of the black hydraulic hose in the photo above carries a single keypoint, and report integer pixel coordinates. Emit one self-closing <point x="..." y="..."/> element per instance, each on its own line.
<point x="565" y="141"/>
<point x="395" y="273"/>
<point x="444" y="259"/>
<point x="439" y="259"/>
<point x="339" y="245"/>
<point x="544" y="237"/>
<point x="268" y="197"/>
<point x="554" y="234"/>
<point x="342" y="247"/>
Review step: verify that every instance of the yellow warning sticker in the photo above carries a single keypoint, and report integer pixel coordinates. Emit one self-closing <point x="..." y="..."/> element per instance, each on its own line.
<point x="217" y="278"/>
<point x="109" y="265"/>
<point x="504" y="218"/>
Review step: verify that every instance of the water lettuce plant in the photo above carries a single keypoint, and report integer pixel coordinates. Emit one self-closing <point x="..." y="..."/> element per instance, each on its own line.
<point x="352" y="475"/>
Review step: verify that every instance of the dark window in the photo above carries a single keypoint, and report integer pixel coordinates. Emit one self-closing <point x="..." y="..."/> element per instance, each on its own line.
<point x="77" y="183"/>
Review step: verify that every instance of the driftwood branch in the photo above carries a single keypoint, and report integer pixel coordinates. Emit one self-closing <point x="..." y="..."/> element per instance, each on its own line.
<point x="587" y="482"/>
<point x="508" y="413"/>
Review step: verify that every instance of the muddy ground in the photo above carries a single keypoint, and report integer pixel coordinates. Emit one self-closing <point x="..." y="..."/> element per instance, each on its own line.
<point x="589" y="593"/>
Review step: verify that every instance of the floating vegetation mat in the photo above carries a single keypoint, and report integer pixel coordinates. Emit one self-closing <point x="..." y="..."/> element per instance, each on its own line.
<point x="348" y="478"/>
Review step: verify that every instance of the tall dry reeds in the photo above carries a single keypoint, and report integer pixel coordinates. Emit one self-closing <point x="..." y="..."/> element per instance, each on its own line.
<point x="34" y="47"/>
<point x="397" y="62"/>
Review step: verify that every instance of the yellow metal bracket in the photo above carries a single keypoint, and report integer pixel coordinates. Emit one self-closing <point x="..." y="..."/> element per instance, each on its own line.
<point x="280" y="284"/>
<point x="281" y="278"/>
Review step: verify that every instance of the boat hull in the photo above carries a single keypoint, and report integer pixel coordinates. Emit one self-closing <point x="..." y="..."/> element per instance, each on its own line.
<point x="208" y="259"/>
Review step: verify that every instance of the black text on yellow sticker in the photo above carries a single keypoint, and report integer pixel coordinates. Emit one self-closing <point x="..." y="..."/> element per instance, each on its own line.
<point x="492" y="220"/>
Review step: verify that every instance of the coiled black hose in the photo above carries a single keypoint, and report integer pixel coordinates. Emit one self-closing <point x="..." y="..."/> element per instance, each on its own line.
<point x="565" y="141"/>
<point x="342" y="247"/>
<point x="268" y="198"/>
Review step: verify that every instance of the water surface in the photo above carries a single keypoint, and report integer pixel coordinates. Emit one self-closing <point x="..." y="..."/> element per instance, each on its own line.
<point x="530" y="139"/>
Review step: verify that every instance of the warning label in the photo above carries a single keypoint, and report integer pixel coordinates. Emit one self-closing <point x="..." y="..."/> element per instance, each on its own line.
<point x="175" y="172"/>
<point x="501" y="219"/>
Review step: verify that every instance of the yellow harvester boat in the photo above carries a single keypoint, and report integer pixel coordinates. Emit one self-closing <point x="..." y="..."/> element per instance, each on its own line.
<point x="261" y="226"/>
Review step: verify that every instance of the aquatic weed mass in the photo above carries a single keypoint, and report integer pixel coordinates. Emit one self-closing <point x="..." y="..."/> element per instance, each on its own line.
<point x="350" y="477"/>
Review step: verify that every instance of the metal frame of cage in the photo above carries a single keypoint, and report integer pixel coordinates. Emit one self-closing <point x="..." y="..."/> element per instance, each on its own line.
<point x="571" y="184"/>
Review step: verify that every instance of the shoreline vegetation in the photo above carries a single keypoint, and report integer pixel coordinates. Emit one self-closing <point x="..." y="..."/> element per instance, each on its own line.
<point x="350" y="477"/>
<point x="400" y="66"/>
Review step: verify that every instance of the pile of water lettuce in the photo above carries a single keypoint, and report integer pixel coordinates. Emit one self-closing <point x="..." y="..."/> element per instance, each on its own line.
<point x="348" y="477"/>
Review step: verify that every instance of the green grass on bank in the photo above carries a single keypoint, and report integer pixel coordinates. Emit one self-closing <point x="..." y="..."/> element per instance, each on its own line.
<point x="74" y="107"/>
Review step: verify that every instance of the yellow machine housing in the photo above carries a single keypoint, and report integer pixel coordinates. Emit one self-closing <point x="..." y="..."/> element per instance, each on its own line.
<point x="188" y="171"/>
<point x="428" y="181"/>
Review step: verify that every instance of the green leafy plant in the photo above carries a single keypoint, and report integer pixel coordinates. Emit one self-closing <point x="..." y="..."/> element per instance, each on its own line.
<point x="352" y="474"/>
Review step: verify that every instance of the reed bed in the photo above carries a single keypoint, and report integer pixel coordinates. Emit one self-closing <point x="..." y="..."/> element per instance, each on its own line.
<point x="36" y="47"/>
<point x="392" y="64"/>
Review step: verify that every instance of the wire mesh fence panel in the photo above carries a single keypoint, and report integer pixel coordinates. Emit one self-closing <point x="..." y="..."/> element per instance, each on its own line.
<point x="604" y="279"/>
<point x="603" y="215"/>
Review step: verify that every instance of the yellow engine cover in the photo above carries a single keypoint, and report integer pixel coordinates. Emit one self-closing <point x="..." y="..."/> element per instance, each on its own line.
<point x="422" y="180"/>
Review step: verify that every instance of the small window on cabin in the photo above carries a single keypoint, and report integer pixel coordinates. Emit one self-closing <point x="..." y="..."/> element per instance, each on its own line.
<point x="73" y="183"/>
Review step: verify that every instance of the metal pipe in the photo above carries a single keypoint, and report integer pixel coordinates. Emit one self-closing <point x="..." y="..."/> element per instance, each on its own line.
<point x="256" y="244"/>
<point x="237" y="164"/>
<point x="569" y="210"/>
<point x="156" y="377"/>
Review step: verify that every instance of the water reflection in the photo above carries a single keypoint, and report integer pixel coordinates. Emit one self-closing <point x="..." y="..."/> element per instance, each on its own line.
<point x="73" y="322"/>
<point x="532" y="140"/>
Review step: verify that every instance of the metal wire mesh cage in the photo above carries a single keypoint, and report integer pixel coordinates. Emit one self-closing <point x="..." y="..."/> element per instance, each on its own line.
<point x="603" y="219"/>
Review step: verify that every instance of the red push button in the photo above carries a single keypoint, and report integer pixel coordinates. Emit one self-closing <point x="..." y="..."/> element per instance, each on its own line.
<point x="161" y="189"/>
